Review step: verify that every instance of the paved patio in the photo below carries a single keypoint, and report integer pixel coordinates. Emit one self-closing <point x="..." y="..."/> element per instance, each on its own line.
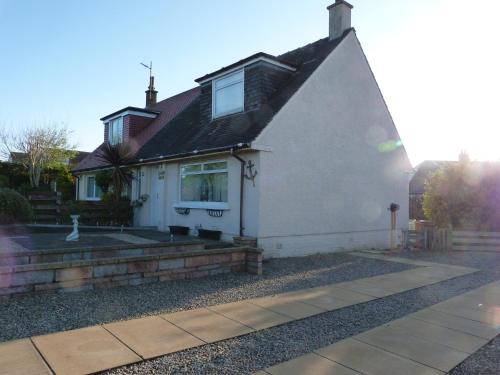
<point x="98" y="348"/>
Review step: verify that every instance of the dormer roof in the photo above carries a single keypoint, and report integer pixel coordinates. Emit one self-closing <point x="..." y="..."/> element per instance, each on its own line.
<point x="260" y="56"/>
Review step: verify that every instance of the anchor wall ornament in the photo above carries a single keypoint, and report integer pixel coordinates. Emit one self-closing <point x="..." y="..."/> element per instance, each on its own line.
<point x="74" y="236"/>
<point x="251" y="172"/>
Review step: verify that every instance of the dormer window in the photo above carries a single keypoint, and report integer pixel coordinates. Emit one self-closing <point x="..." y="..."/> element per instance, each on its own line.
<point x="228" y="94"/>
<point x="115" y="134"/>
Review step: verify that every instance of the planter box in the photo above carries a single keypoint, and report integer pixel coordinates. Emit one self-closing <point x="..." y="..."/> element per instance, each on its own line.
<point x="179" y="230"/>
<point x="209" y="234"/>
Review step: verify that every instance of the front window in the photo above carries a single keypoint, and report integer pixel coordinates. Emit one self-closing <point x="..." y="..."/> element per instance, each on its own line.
<point x="228" y="94"/>
<point x="115" y="131"/>
<point x="93" y="191"/>
<point x="204" y="182"/>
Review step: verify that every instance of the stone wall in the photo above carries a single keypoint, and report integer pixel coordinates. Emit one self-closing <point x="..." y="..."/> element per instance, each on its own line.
<point x="111" y="272"/>
<point x="89" y="253"/>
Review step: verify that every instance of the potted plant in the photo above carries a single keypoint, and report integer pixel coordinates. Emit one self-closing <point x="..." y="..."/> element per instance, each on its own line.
<point x="209" y="234"/>
<point x="179" y="230"/>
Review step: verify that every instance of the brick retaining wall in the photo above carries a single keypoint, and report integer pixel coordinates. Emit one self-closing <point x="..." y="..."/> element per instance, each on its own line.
<point x="110" y="272"/>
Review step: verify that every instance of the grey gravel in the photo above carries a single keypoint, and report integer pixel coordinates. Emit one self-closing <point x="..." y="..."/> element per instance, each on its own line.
<point x="265" y="348"/>
<point x="46" y="313"/>
<point x="486" y="361"/>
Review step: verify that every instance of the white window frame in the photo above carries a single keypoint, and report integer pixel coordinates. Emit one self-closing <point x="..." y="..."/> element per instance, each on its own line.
<point x="200" y="204"/>
<point x="214" y="90"/>
<point x="111" y="122"/>
<point x="93" y="197"/>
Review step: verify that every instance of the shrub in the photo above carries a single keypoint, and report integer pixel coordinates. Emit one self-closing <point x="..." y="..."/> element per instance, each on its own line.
<point x="14" y="208"/>
<point x="106" y="212"/>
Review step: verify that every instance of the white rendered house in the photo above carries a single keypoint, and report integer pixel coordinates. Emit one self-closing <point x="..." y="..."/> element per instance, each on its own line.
<point x="297" y="150"/>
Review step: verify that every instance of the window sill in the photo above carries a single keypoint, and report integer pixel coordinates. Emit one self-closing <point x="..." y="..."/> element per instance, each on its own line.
<point x="203" y="205"/>
<point x="92" y="199"/>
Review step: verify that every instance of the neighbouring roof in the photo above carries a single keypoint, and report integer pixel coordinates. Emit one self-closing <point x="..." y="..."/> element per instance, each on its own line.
<point x="178" y="130"/>
<point x="426" y="169"/>
<point x="16" y="157"/>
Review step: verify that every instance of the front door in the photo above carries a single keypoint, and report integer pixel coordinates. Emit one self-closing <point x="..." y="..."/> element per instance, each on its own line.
<point x="155" y="200"/>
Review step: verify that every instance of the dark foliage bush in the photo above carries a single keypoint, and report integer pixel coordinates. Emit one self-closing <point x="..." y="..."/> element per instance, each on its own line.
<point x="14" y="208"/>
<point x="105" y="212"/>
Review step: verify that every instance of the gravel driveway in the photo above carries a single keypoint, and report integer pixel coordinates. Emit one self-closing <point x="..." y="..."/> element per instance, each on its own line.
<point x="45" y="313"/>
<point x="250" y="353"/>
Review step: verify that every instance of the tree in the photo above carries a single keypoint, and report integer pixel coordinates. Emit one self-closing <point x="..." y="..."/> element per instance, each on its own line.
<point x="38" y="148"/>
<point x="118" y="157"/>
<point x="465" y="195"/>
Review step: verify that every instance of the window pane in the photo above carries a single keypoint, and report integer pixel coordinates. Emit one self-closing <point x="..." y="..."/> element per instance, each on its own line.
<point x="90" y="187"/>
<point x="191" y="168"/>
<point x="215" y="166"/>
<point x="233" y="78"/>
<point x="204" y="188"/>
<point x="229" y="99"/>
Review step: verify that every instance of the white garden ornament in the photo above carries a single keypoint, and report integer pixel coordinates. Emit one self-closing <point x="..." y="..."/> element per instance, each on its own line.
<point x="74" y="236"/>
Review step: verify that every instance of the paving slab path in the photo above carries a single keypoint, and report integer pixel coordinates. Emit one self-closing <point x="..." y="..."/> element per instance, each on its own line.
<point x="429" y="341"/>
<point x="102" y="347"/>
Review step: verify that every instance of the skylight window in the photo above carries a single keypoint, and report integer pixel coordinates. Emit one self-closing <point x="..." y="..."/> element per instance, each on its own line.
<point x="228" y="94"/>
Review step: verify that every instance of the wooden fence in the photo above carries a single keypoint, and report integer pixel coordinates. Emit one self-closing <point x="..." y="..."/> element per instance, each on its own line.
<point x="451" y="240"/>
<point x="475" y="241"/>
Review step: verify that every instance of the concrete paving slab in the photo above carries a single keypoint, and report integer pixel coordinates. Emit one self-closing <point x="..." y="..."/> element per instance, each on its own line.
<point x="465" y="325"/>
<point x="251" y="315"/>
<point x="84" y="351"/>
<point x="152" y="336"/>
<point x="348" y="295"/>
<point x="425" y="352"/>
<point x="366" y="288"/>
<point x="207" y="325"/>
<point x="20" y="357"/>
<point x="319" y="297"/>
<point x="130" y="238"/>
<point x="310" y="364"/>
<point x="445" y="336"/>
<point x="287" y="305"/>
<point x="488" y="315"/>
<point x="370" y="360"/>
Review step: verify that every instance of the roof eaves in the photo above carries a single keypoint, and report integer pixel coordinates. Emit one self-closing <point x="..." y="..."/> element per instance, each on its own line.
<point x="246" y="61"/>
<point x="130" y="108"/>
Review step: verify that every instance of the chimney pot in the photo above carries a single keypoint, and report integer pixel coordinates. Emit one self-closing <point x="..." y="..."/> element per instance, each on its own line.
<point x="340" y="18"/>
<point x="151" y="93"/>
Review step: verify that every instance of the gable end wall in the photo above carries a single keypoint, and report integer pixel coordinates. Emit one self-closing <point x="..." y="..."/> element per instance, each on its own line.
<point x="327" y="182"/>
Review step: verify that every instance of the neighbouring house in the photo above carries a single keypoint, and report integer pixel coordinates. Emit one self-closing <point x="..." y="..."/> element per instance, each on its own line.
<point x="78" y="156"/>
<point x="423" y="172"/>
<point x="297" y="150"/>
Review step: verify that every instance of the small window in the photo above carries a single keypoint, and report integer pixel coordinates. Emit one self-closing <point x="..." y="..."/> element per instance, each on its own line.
<point x="228" y="94"/>
<point x="205" y="182"/>
<point x="115" y="131"/>
<point x="93" y="191"/>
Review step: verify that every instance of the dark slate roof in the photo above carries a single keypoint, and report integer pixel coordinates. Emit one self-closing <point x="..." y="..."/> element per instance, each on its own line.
<point x="167" y="109"/>
<point x="187" y="135"/>
<point x="178" y="130"/>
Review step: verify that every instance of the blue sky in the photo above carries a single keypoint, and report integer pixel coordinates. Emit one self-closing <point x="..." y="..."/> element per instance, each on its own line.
<point x="75" y="61"/>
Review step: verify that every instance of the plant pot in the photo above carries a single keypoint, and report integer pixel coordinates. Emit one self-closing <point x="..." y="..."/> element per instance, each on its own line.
<point x="209" y="234"/>
<point x="179" y="230"/>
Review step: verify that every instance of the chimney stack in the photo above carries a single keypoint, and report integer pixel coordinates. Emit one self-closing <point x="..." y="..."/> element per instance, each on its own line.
<point x="340" y="18"/>
<point x="151" y="93"/>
